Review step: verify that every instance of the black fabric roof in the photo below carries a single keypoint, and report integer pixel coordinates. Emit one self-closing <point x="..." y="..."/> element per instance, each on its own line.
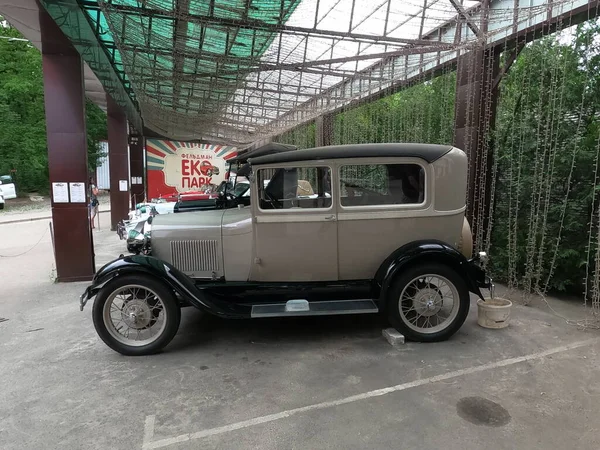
<point x="428" y="152"/>
<point x="267" y="149"/>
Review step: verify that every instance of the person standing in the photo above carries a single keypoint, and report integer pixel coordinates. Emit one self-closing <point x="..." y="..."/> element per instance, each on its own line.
<point x="93" y="201"/>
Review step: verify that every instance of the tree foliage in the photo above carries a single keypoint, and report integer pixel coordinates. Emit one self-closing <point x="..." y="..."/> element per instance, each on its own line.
<point x="302" y="136"/>
<point x="22" y="120"/>
<point x="547" y="130"/>
<point x="548" y="117"/>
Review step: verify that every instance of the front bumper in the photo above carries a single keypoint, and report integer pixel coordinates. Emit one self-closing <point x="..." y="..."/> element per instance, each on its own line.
<point x="90" y="292"/>
<point x="491" y="286"/>
<point x="83" y="299"/>
<point x="478" y="277"/>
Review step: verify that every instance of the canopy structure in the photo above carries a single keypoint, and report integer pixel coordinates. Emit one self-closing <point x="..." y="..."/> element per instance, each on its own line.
<point x="237" y="71"/>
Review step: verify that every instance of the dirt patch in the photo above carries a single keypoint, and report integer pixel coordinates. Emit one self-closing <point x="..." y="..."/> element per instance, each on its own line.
<point x="25" y="204"/>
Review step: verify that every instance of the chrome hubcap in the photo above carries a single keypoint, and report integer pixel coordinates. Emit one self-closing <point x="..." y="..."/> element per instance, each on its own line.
<point x="428" y="302"/>
<point x="137" y="314"/>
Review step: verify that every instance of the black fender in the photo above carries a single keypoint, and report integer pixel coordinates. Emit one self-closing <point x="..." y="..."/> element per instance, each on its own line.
<point x="156" y="268"/>
<point x="419" y="252"/>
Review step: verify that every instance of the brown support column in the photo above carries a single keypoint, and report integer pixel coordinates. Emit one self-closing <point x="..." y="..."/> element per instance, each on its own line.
<point x="136" y="167"/>
<point x="324" y="130"/>
<point x="64" y="101"/>
<point x="119" y="163"/>
<point x="475" y="111"/>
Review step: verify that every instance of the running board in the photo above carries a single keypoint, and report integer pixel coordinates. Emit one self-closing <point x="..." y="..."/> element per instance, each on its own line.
<point x="304" y="308"/>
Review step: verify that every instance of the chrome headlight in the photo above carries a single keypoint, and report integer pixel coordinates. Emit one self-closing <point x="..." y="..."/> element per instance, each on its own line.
<point x="483" y="257"/>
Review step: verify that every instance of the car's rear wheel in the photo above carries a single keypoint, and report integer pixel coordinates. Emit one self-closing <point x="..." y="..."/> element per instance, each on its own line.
<point x="428" y="303"/>
<point x="136" y="315"/>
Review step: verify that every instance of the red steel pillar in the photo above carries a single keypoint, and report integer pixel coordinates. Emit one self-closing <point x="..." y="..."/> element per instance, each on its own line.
<point x="118" y="156"/>
<point x="64" y="101"/>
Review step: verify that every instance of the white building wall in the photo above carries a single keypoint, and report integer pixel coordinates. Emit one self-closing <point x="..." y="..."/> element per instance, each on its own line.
<point x="103" y="169"/>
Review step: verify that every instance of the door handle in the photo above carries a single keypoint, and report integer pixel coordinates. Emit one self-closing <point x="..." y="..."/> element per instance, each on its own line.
<point x="330" y="218"/>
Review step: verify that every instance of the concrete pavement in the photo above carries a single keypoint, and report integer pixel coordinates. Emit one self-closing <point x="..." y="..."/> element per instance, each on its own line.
<point x="331" y="383"/>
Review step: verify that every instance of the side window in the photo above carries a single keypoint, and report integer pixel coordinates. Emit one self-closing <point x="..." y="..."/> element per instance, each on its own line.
<point x="287" y="188"/>
<point x="382" y="184"/>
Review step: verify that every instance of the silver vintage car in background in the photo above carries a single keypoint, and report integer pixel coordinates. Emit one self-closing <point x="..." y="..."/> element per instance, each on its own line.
<point x="369" y="228"/>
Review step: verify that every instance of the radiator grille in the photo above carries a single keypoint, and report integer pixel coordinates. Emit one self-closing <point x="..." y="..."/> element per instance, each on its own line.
<point x="195" y="256"/>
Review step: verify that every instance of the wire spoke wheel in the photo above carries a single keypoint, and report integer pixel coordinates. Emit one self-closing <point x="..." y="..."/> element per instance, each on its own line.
<point x="134" y="315"/>
<point x="428" y="303"/>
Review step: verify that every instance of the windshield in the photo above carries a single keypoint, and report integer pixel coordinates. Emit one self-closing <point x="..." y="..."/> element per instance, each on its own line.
<point x="237" y="185"/>
<point x="241" y="188"/>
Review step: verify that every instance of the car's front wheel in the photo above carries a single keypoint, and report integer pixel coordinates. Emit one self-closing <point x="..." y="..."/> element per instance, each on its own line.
<point x="428" y="303"/>
<point x="136" y="315"/>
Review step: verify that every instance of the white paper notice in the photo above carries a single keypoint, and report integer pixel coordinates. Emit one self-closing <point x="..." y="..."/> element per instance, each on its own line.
<point x="60" y="192"/>
<point x="123" y="185"/>
<point x="77" y="192"/>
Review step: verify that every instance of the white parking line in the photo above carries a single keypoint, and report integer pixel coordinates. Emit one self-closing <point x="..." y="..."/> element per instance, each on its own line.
<point x="149" y="428"/>
<point x="149" y="424"/>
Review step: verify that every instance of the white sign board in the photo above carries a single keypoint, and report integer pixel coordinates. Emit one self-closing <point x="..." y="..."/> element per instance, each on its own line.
<point x="60" y="192"/>
<point x="191" y="168"/>
<point x="77" y="192"/>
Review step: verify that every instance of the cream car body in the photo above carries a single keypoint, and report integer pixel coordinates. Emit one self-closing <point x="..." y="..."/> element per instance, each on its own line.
<point x="333" y="230"/>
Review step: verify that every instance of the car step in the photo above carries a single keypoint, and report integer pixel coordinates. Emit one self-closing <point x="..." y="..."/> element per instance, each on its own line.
<point x="302" y="307"/>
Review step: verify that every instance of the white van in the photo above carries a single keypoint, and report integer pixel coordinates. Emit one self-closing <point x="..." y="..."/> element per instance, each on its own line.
<point x="7" y="187"/>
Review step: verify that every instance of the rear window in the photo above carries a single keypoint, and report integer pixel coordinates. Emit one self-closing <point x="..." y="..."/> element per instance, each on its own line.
<point x="382" y="184"/>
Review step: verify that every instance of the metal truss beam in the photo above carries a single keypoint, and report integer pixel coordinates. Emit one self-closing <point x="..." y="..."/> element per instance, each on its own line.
<point x="167" y="75"/>
<point x="467" y="18"/>
<point x="307" y="65"/>
<point x="435" y="65"/>
<point x="250" y="24"/>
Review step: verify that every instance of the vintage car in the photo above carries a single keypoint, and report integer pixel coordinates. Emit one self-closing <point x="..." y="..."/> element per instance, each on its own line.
<point x="353" y="229"/>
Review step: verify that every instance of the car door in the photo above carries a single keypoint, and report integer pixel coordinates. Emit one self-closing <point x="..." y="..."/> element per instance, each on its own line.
<point x="10" y="191"/>
<point x="383" y="204"/>
<point x="295" y="229"/>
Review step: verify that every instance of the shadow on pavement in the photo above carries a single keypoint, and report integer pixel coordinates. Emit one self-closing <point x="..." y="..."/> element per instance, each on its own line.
<point x="198" y="329"/>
